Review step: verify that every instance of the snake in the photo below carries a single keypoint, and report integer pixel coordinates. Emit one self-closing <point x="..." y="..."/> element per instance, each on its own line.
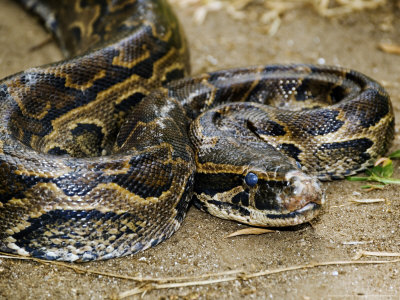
<point x="102" y="153"/>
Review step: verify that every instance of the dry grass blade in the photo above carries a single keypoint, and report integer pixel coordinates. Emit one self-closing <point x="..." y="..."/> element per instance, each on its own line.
<point x="368" y="201"/>
<point x="389" y="48"/>
<point x="362" y="201"/>
<point x="363" y="253"/>
<point x="251" y="230"/>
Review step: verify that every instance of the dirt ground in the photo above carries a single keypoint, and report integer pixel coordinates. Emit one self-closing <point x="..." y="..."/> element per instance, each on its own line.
<point x="201" y="246"/>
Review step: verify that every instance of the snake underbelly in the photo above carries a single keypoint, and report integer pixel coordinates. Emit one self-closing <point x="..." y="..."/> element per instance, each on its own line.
<point x="101" y="154"/>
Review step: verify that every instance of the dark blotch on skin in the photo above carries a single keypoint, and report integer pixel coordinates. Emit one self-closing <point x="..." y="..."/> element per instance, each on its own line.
<point x="266" y="198"/>
<point x="360" y="145"/>
<point x="354" y="148"/>
<point x="88" y="128"/>
<point x="129" y="102"/>
<point x="267" y="127"/>
<point x="74" y="184"/>
<point x="57" y="151"/>
<point x="368" y="118"/>
<point x="290" y="150"/>
<point x="173" y="75"/>
<point x="323" y="117"/>
<point x="134" y="181"/>
<point x="76" y="33"/>
<point x="93" y="136"/>
<point x="302" y="91"/>
<point x="199" y="204"/>
<point x="242" y="197"/>
<point x="264" y="203"/>
<point x="221" y="183"/>
<point x="337" y="94"/>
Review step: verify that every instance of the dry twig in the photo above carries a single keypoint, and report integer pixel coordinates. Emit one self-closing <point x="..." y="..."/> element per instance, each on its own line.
<point x="140" y="279"/>
<point x="243" y="276"/>
<point x="147" y="284"/>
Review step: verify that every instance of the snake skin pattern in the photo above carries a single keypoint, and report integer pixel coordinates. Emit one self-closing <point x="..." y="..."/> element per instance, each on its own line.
<point x="101" y="154"/>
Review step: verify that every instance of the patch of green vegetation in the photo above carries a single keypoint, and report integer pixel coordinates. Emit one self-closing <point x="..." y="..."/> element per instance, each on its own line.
<point x="381" y="172"/>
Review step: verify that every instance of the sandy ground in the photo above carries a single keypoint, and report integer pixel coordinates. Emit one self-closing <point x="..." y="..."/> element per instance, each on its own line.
<point x="201" y="246"/>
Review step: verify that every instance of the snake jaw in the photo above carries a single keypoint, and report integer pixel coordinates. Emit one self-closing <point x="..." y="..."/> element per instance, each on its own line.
<point x="304" y="190"/>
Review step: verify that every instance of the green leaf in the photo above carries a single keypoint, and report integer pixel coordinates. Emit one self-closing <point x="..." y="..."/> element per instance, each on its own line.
<point x="385" y="170"/>
<point x="369" y="172"/>
<point x="354" y="178"/>
<point x="382" y="172"/>
<point x="388" y="180"/>
<point x="373" y="186"/>
<point x="377" y="170"/>
<point x="395" y="154"/>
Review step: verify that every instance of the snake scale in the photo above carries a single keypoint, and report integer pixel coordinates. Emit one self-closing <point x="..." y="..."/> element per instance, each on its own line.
<point x="101" y="154"/>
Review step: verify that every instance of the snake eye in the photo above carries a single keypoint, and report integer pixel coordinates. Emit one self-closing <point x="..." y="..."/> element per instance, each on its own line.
<point x="298" y="165"/>
<point x="251" y="179"/>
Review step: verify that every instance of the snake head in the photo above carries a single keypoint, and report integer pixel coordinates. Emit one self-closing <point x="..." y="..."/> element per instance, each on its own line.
<point x="276" y="200"/>
<point x="284" y="197"/>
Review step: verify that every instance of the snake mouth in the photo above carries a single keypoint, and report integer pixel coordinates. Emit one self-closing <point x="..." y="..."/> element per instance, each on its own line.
<point x="296" y="217"/>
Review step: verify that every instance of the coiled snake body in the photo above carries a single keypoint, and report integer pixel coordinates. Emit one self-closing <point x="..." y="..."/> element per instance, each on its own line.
<point x="101" y="154"/>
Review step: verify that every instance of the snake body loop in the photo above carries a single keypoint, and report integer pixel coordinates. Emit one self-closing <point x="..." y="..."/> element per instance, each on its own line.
<point x="101" y="154"/>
